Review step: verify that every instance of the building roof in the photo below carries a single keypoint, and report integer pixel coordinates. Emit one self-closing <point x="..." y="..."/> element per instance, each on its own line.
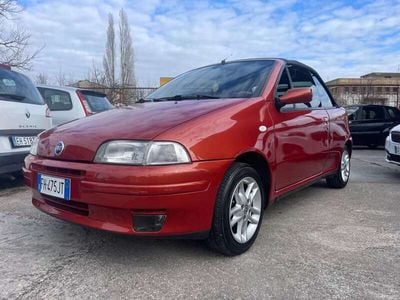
<point x="381" y="75"/>
<point x="86" y="84"/>
<point x="364" y="81"/>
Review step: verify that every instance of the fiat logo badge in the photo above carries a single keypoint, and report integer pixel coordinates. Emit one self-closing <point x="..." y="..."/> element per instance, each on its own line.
<point x="59" y="148"/>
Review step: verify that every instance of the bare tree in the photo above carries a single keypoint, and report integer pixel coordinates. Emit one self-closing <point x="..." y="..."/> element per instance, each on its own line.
<point x="109" y="64"/>
<point x="97" y="76"/>
<point x="127" y="60"/>
<point x="14" y="41"/>
<point x="61" y="78"/>
<point x="41" y="78"/>
<point x="109" y="57"/>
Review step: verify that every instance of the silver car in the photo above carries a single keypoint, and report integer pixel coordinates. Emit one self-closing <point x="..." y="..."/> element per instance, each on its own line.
<point x="69" y="103"/>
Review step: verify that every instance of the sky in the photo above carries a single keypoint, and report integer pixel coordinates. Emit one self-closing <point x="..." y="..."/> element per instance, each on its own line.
<point x="338" y="38"/>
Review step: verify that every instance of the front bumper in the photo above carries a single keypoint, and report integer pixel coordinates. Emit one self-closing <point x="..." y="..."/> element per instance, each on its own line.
<point x="392" y="151"/>
<point x="12" y="162"/>
<point x="108" y="197"/>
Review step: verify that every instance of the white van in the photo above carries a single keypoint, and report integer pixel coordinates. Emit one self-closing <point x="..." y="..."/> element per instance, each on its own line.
<point x="23" y="115"/>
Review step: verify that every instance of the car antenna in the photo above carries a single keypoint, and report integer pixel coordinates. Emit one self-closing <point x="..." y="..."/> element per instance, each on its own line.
<point x="224" y="60"/>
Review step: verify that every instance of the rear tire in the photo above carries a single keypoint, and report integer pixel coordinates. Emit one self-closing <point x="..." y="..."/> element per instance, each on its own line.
<point x="341" y="177"/>
<point x="238" y="211"/>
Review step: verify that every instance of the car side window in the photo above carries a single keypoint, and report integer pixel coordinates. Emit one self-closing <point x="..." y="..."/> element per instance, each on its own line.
<point x="56" y="100"/>
<point x="353" y="113"/>
<point x="373" y="113"/>
<point x="283" y="85"/>
<point x="302" y="77"/>
<point x="320" y="93"/>
<point x="394" y="113"/>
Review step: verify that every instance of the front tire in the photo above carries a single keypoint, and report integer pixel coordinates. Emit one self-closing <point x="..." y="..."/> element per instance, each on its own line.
<point x="341" y="177"/>
<point x="238" y="211"/>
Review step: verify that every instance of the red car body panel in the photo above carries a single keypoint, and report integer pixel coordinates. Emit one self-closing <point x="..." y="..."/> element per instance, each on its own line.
<point x="298" y="147"/>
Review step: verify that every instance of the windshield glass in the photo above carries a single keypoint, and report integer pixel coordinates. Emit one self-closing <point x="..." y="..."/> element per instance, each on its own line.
<point x="18" y="88"/>
<point x="97" y="102"/>
<point x="242" y="79"/>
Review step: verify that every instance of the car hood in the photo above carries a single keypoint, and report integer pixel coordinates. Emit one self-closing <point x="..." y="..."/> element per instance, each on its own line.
<point x="81" y="138"/>
<point x="396" y="128"/>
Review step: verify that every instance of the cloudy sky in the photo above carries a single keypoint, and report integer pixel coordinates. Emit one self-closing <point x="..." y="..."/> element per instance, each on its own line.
<point x="338" y="38"/>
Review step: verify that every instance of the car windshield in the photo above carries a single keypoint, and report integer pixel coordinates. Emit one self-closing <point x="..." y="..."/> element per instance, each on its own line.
<point x="18" y="88"/>
<point x="241" y="79"/>
<point x="97" y="102"/>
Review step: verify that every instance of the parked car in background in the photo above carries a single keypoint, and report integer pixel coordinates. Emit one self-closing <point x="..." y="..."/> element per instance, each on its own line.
<point x="201" y="156"/>
<point x="69" y="103"/>
<point x="392" y="146"/>
<point x="23" y="115"/>
<point x="370" y="124"/>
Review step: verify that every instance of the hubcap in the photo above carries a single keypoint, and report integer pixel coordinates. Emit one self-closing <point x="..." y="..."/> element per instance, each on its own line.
<point x="345" y="166"/>
<point x="245" y="210"/>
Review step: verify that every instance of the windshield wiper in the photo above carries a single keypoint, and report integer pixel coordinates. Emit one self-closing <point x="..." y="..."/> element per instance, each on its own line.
<point x="184" y="97"/>
<point x="13" y="96"/>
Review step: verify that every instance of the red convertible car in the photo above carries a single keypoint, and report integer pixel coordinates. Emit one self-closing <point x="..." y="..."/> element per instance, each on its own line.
<point x="200" y="157"/>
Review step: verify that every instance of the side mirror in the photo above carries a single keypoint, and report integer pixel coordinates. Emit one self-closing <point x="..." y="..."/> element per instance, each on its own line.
<point x="296" y="95"/>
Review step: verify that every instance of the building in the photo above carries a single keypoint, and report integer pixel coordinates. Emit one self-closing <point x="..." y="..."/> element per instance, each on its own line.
<point x="372" y="88"/>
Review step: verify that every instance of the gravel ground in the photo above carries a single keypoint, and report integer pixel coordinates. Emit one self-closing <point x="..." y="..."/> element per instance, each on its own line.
<point x="317" y="243"/>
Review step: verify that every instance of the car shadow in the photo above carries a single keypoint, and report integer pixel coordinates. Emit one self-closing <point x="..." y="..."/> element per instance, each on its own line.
<point x="379" y="148"/>
<point x="8" y="181"/>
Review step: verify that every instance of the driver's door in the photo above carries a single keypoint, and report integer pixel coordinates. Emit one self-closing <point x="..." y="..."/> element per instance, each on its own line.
<point x="301" y="133"/>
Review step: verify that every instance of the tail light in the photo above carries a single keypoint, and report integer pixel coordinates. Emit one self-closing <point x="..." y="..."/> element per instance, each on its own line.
<point x="85" y="104"/>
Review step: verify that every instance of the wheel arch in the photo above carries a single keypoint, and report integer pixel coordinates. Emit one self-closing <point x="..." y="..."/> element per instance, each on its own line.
<point x="349" y="145"/>
<point x="260" y="164"/>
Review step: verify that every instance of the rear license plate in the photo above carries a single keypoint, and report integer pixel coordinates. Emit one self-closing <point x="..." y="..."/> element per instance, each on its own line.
<point x="54" y="186"/>
<point x="22" y="141"/>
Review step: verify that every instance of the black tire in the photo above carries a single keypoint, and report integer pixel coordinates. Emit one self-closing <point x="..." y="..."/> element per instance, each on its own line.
<point x="373" y="146"/>
<point x="336" y="180"/>
<point x="221" y="237"/>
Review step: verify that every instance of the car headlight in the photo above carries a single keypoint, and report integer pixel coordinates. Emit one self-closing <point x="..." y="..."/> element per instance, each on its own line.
<point x="34" y="146"/>
<point x="142" y="153"/>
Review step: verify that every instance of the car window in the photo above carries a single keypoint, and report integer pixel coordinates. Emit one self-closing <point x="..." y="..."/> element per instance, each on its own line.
<point x="353" y="112"/>
<point x="97" y="102"/>
<point x="56" y="100"/>
<point x="320" y="93"/>
<point x="394" y="113"/>
<point x="17" y="87"/>
<point x="283" y="84"/>
<point x="372" y="113"/>
<point x="302" y="77"/>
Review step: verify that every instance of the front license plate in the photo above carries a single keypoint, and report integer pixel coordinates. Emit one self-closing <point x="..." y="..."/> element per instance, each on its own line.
<point x="54" y="186"/>
<point x="22" y="141"/>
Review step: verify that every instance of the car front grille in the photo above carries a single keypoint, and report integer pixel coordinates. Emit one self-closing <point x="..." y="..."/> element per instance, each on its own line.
<point x="58" y="171"/>
<point x="396" y="136"/>
<point x="71" y="206"/>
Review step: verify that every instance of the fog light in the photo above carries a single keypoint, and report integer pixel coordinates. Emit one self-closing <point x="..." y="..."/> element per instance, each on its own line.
<point x="148" y="223"/>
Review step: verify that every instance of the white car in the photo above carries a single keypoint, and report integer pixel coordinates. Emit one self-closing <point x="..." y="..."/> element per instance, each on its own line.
<point x="69" y="103"/>
<point x="23" y="116"/>
<point x="392" y="146"/>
